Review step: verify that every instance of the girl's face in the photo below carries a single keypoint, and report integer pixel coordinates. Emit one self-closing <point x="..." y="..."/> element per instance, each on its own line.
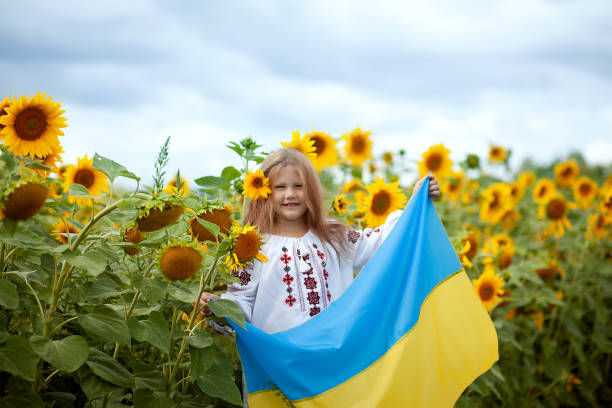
<point x="288" y="195"/>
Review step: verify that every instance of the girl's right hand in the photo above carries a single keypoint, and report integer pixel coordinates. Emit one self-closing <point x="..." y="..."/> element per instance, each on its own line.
<point x="204" y="303"/>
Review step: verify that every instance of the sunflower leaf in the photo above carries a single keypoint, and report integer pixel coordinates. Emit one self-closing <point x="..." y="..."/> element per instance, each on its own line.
<point x="79" y="190"/>
<point x="212" y="228"/>
<point x="111" y="168"/>
<point x="211" y="182"/>
<point x="227" y="308"/>
<point x="230" y="173"/>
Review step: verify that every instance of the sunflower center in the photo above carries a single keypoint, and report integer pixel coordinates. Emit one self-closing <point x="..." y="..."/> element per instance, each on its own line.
<point x="495" y="203"/>
<point x="319" y="144"/>
<point x="473" y="247"/>
<point x="486" y="291"/>
<point x="434" y="161"/>
<point x="567" y="172"/>
<point x="246" y="246"/>
<point x="358" y="144"/>
<point x="542" y="191"/>
<point x="495" y="152"/>
<point x="341" y="205"/>
<point x="257" y="182"/>
<point x="30" y="124"/>
<point x="600" y="221"/>
<point x="381" y="203"/>
<point x="85" y="177"/>
<point x="555" y="209"/>
<point x="585" y="188"/>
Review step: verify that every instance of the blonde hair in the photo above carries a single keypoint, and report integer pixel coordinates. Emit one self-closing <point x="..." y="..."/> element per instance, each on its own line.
<point x="260" y="212"/>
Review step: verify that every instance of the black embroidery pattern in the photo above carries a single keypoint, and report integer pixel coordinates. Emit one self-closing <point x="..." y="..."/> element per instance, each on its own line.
<point x="243" y="275"/>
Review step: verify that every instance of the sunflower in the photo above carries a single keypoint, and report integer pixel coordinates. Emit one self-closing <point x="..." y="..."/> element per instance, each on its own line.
<point x="597" y="226"/>
<point x="62" y="229"/>
<point x="180" y="261"/>
<point x="3" y="105"/>
<point x="436" y="161"/>
<point x="172" y="190"/>
<point x="543" y="190"/>
<point x="538" y="320"/>
<point x="510" y="219"/>
<point x="516" y="191"/>
<point x="256" y="185"/>
<point x="556" y="210"/>
<point x="551" y="270"/>
<point x="472" y="161"/>
<point x="325" y="150"/>
<point x="302" y="144"/>
<point x="25" y="200"/>
<point x="497" y="154"/>
<point x="157" y="214"/>
<point x="388" y="158"/>
<point x="585" y="191"/>
<point x="488" y="286"/>
<point x="526" y="179"/>
<point x="132" y="234"/>
<point x="566" y="173"/>
<point x="353" y="186"/>
<point x="502" y="247"/>
<point x="84" y="174"/>
<point x="220" y="216"/>
<point x="32" y="125"/>
<point x="245" y="245"/>
<point x="496" y="201"/>
<point x="340" y="204"/>
<point x="605" y="206"/>
<point x="382" y="200"/>
<point x="453" y="186"/>
<point x="358" y="146"/>
<point x="463" y="255"/>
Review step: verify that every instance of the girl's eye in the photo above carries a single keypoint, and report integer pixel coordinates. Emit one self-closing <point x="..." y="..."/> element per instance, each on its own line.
<point x="279" y="186"/>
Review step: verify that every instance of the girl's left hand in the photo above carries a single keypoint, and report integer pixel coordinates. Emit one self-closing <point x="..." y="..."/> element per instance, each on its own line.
<point x="434" y="187"/>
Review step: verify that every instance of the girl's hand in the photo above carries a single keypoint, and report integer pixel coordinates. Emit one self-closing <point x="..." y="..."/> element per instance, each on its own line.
<point x="434" y="187"/>
<point x="204" y="303"/>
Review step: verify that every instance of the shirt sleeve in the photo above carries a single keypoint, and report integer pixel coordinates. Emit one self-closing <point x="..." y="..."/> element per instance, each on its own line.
<point x="243" y="293"/>
<point x="366" y="242"/>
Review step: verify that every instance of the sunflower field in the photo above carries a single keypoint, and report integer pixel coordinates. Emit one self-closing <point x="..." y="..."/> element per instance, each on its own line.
<point x="99" y="286"/>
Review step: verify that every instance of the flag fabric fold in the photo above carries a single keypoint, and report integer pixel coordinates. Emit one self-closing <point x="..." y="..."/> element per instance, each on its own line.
<point x="409" y="331"/>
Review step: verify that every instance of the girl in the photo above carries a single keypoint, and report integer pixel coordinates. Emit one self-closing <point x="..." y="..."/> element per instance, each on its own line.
<point x="311" y="259"/>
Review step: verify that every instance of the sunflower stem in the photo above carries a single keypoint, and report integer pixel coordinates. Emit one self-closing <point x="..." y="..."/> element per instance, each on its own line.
<point x="196" y="311"/>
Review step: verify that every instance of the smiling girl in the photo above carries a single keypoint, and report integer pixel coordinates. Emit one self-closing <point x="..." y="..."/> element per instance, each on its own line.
<point x="312" y="258"/>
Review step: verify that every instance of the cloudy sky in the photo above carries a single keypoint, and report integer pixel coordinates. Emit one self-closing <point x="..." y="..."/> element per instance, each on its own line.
<point x="532" y="75"/>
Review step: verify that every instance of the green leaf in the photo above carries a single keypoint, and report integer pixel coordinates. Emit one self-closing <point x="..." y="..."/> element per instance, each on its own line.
<point x="212" y="228"/>
<point x="230" y="173"/>
<point x="201" y="339"/>
<point x="147" y="399"/>
<point x="235" y="147"/>
<point x="211" y="182"/>
<point x="108" y="369"/>
<point x="79" y="190"/>
<point x="227" y="308"/>
<point x="92" y="385"/>
<point x="18" y="394"/>
<point x="67" y="354"/>
<point x="104" y="288"/>
<point x="107" y="324"/>
<point x="203" y="359"/>
<point x="18" y="358"/>
<point x="111" y="168"/>
<point x="93" y="262"/>
<point x="9" y="297"/>
<point x="218" y="384"/>
<point x="154" y="330"/>
<point x="149" y="377"/>
<point x="153" y="289"/>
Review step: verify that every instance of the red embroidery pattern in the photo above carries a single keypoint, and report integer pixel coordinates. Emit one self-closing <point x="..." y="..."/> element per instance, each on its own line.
<point x="287" y="278"/>
<point x="321" y="255"/>
<point x="311" y="284"/>
<point x="353" y="236"/>
<point x="371" y="231"/>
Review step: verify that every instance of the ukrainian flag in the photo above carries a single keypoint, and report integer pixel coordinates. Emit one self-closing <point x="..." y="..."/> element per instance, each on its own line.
<point x="408" y="332"/>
